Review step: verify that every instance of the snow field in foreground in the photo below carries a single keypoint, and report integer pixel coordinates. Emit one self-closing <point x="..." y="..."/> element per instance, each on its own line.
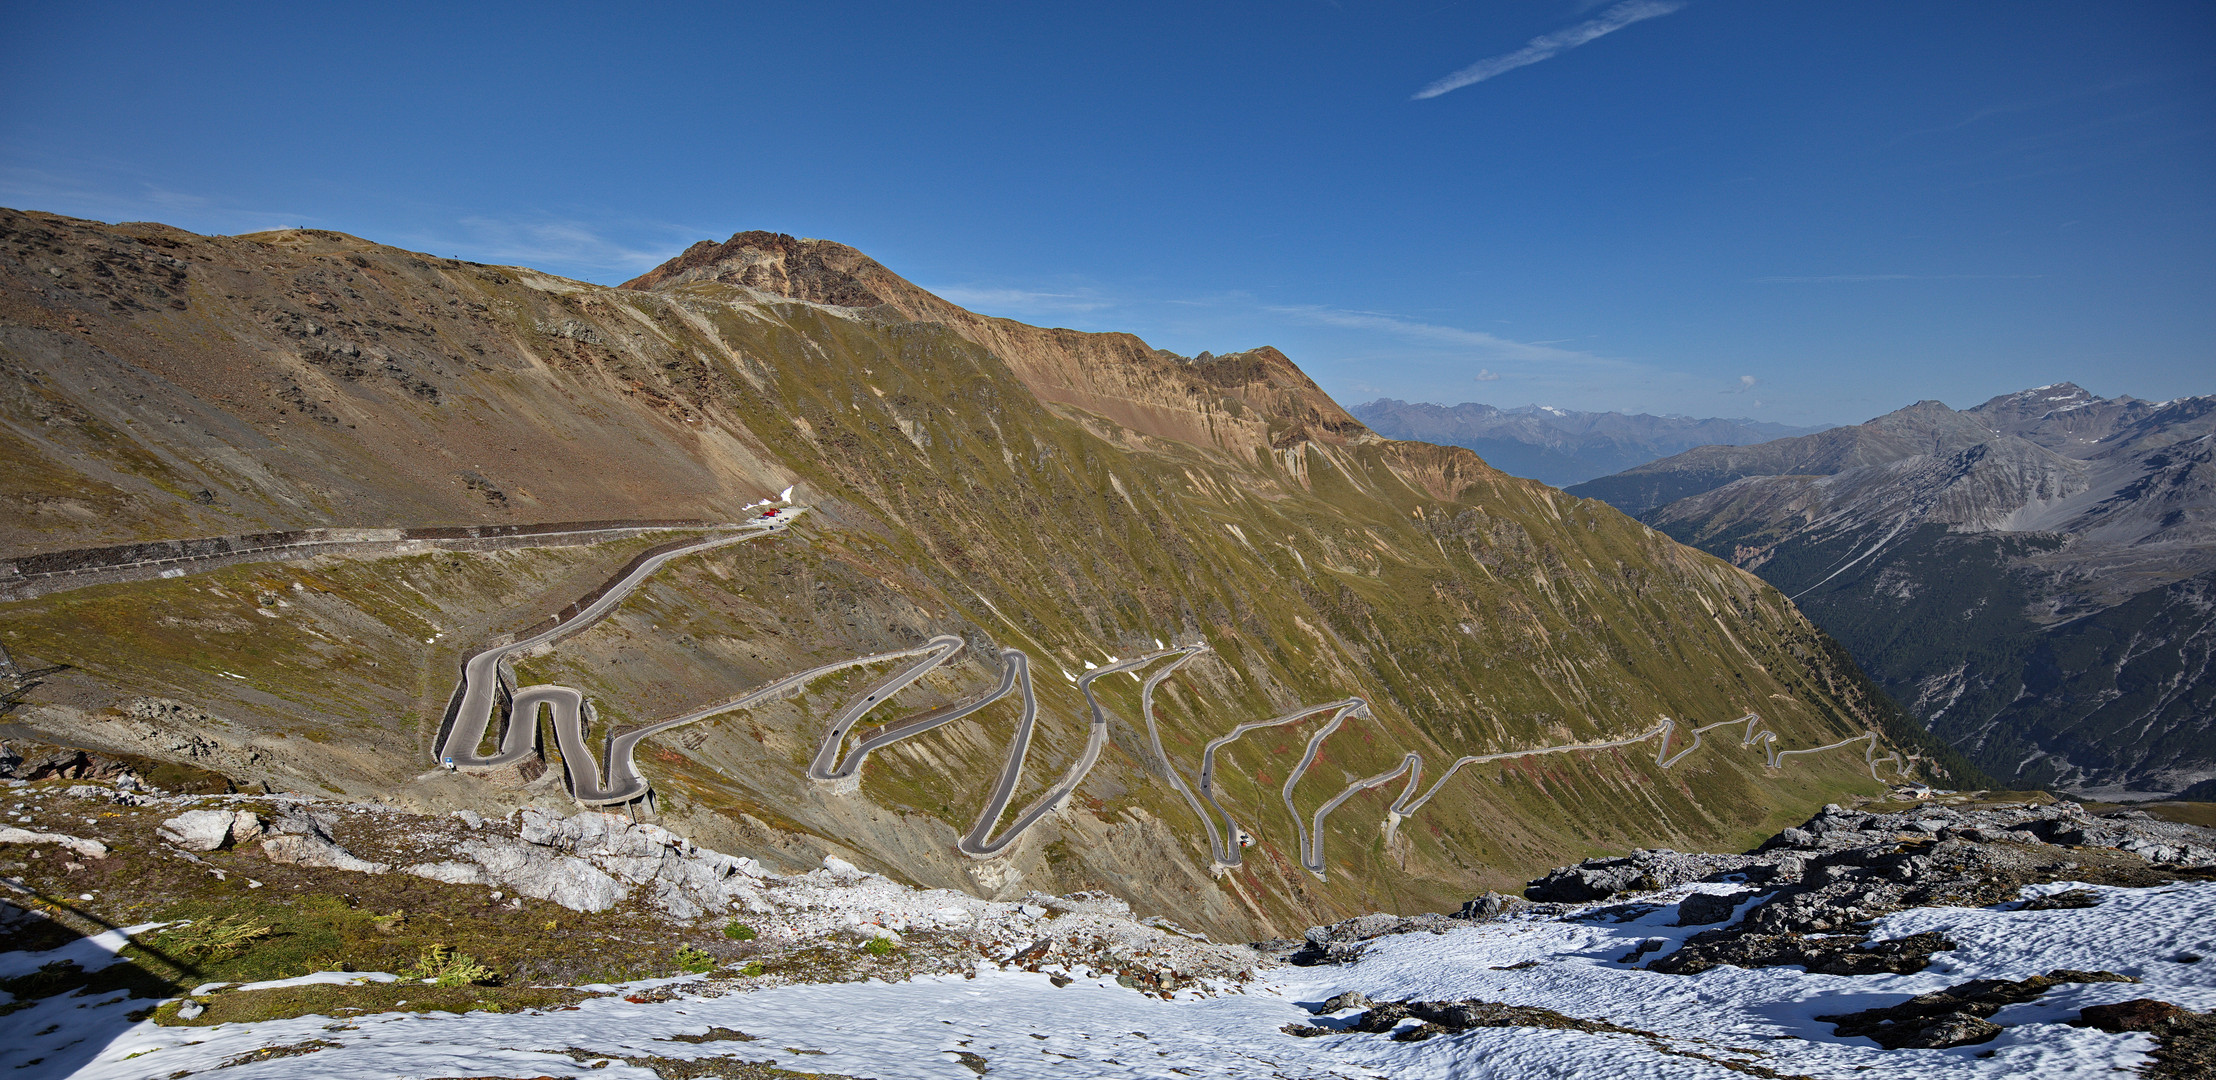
<point x="1022" y="1026"/>
<point x="1766" y="1016"/>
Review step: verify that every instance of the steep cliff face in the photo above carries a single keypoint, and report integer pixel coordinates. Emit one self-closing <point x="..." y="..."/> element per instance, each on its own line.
<point x="1075" y="496"/>
<point x="2028" y="576"/>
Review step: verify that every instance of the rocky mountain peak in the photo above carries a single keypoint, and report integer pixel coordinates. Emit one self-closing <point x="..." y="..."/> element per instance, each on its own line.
<point x="2048" y="397"/>
<point x="1265" y="364"/>
<point x="1239" y="401"/>
<point x="818" y="271"/>
<point x="2064" y="417"/>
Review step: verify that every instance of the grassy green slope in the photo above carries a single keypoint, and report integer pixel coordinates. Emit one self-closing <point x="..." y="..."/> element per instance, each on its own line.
<point x="1502" y="616"/>
<point x="1479" y="613"/>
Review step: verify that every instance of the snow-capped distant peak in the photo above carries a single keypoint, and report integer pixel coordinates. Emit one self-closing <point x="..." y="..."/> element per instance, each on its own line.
<point x="2067" y="392"/>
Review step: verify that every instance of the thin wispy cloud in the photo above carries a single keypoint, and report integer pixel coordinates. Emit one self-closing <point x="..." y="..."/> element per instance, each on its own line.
<point x="1832" y="279"/>
<point x="1476" y="343"/>
<point x="111" y="191"/>
<point x="1020" y="301"/>
<point x="572" y="246"/>
<point x="1547" y="46"/>
<point x="108" y="192"/>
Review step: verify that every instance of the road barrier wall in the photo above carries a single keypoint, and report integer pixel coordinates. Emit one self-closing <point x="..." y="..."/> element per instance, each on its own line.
<point x="28" y="576"/>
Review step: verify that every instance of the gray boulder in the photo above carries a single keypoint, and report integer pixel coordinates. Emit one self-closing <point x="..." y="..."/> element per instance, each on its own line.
<point x="536" y="871"/>
<point x="453" y="873"/>
<point x="1700" y="909"/>
<point x="683" y="879"/>
<point x="91" y="849"/>
<point x="1592" y="881"/>
<point x="300" y="849"/>
<point x="1488" y="906"/>
<point x="1343" y="942"/>
<point x="1641" y="871"/>
<point x="199" y="830"/>
<point x="300" y="819"/>
<point x="1352" y="999"/>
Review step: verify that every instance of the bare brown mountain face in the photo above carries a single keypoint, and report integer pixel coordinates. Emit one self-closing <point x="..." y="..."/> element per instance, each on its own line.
<point x="1235" y="402"/>
<point x="2032" y="577"/>
<point x="1076" y="496"/>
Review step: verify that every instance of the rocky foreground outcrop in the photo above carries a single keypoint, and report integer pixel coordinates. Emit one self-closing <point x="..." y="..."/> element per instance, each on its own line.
<point x="1809" y="888"/>
<point x="1827" y="876"/>
<point x="595" y="863"/>
<point x="2032" y="928"/>
<point x="1957" y="1016"/>
<point x="1829" y="847"/>
<point x="1809" y="897"/>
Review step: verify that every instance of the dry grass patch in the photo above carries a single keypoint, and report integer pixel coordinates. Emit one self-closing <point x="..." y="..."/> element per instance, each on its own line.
<point x="344" y="1002"/>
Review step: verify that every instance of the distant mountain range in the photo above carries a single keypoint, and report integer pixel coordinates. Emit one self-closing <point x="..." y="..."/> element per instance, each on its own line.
<point x="2035" y="577"/>
<point x="1560" y="446"/>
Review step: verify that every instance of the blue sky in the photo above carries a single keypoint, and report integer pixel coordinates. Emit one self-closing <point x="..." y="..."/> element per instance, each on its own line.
<point x="1808" y="211"/>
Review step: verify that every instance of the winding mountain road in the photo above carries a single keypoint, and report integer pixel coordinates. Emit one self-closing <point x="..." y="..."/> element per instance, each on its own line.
<point x="486" y="673"/>
<point x="633" y="786"/>
<point x="1227" y="855"/>
<point x="1169" y="768"/>
<point x="830" y="767"/>
<point x="977" y="843"/>
<point x="482" y="677"/>
<point x="1309" y="837"/>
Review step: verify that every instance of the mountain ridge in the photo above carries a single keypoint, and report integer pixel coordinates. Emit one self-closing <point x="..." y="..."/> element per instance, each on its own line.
<point x="1559" y="446"/>
<point x="1115" y="375"/>
<point x="1988" y="567"/>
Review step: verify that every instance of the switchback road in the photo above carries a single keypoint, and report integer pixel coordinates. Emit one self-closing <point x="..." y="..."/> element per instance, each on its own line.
<point x="977" y="843"/>
<point x="484" y="677"/>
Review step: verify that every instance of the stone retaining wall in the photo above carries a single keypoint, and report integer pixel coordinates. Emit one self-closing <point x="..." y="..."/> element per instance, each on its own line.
<point x="28" y="576"/>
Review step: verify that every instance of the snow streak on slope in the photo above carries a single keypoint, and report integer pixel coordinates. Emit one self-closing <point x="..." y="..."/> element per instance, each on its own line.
<point x="1021" y="1025"/>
